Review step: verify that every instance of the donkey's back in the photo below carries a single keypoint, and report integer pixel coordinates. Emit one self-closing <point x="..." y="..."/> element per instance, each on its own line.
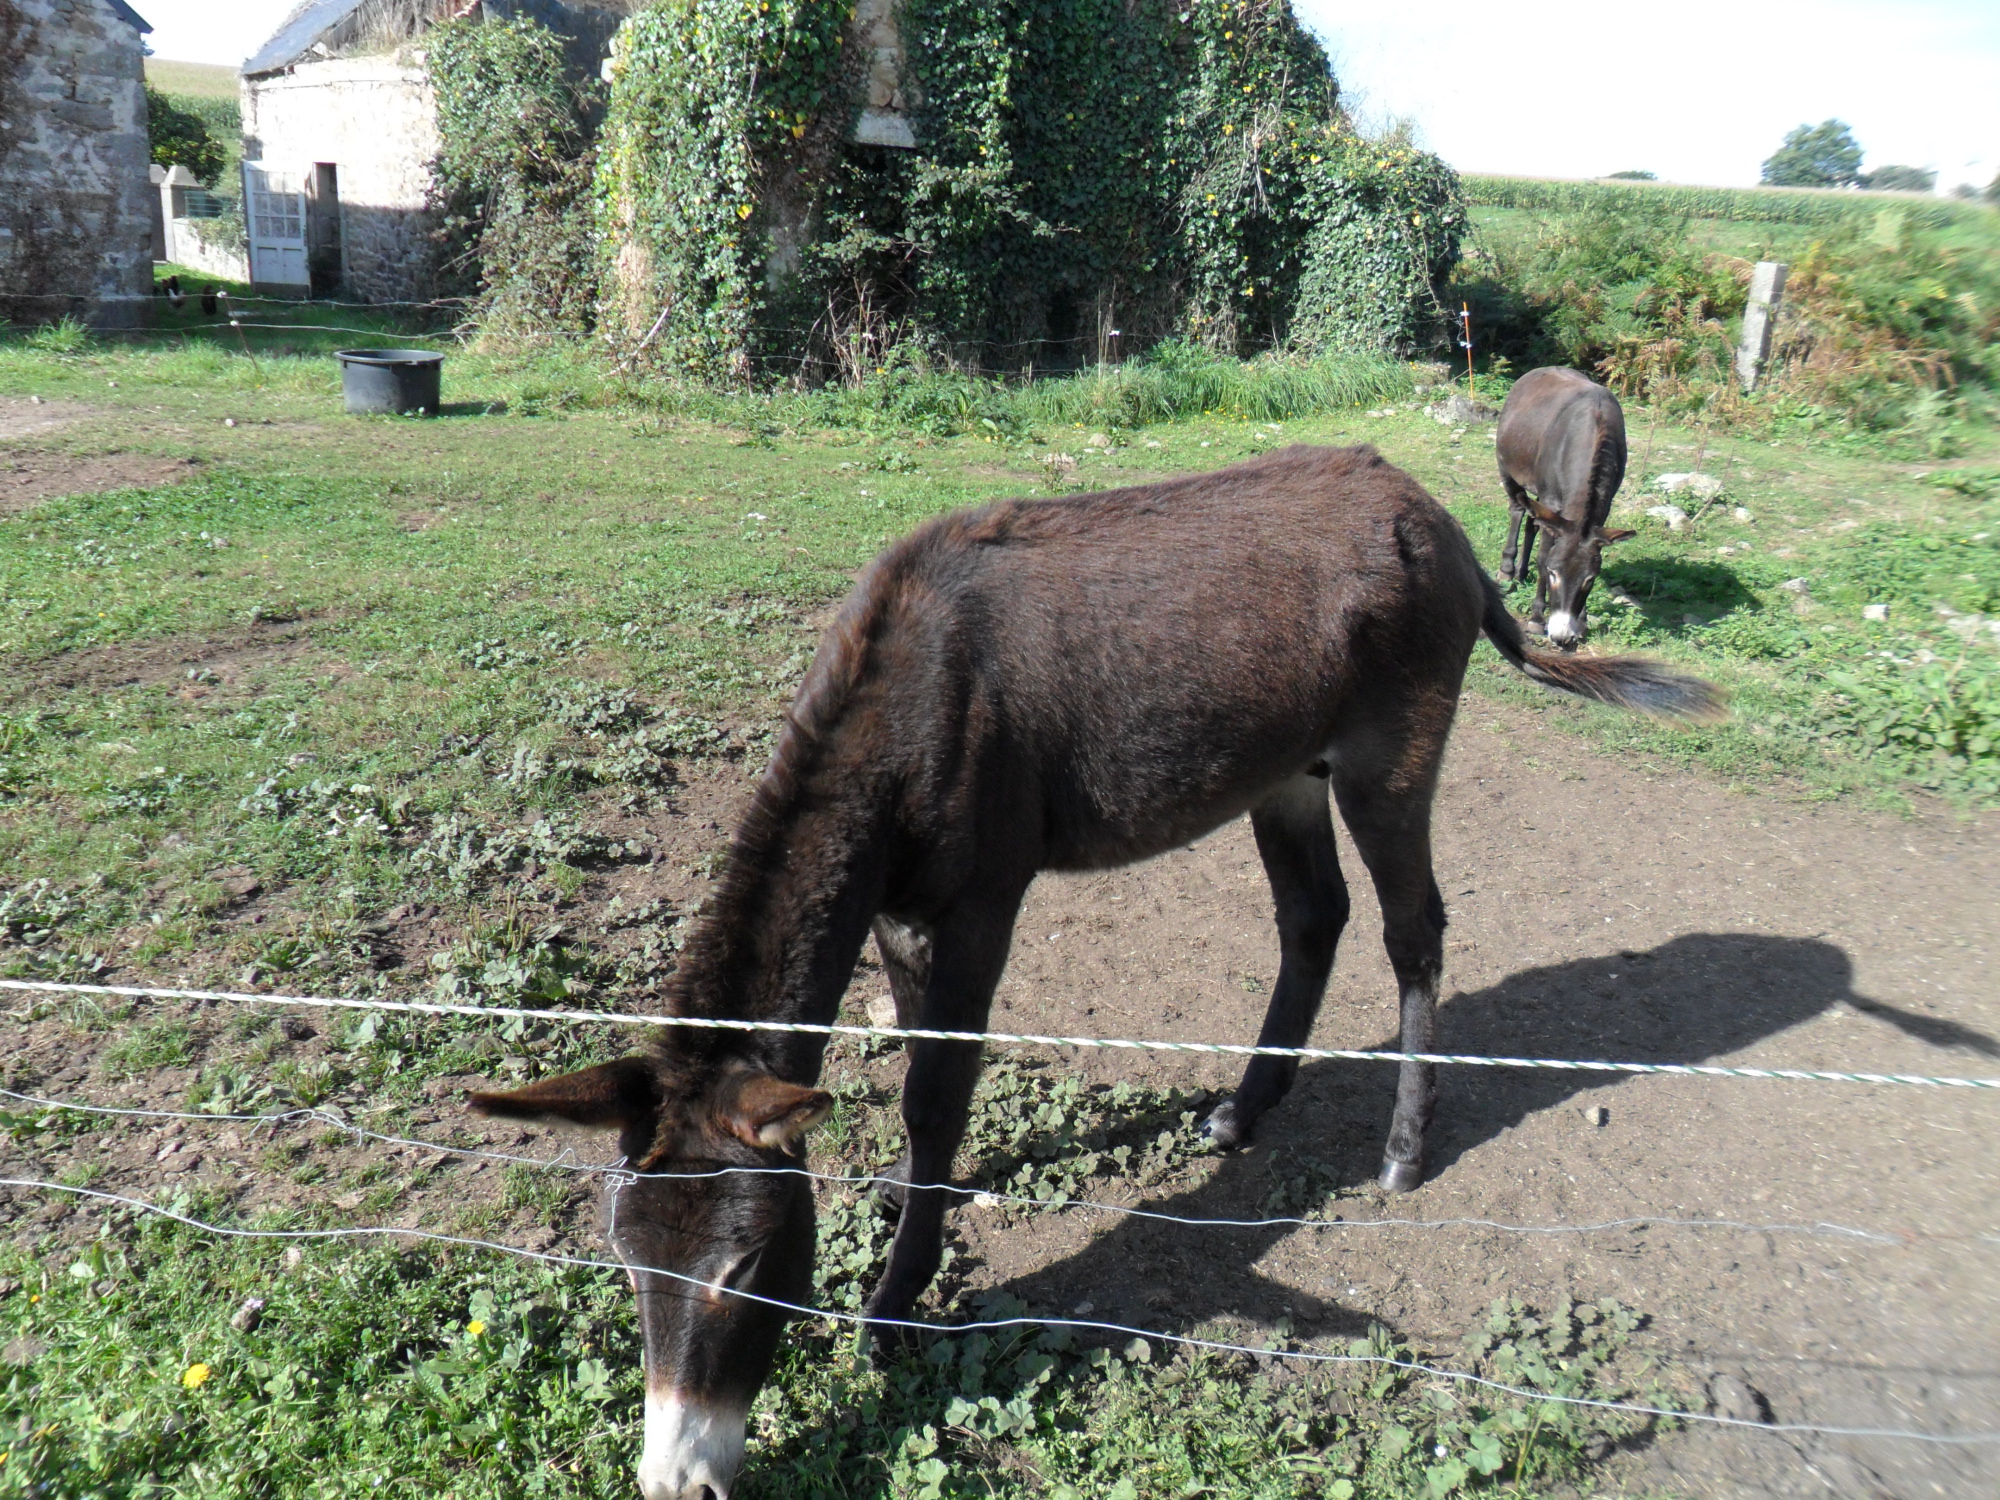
<point x="1154" y="659"/>
<point x="1562" y="438"/>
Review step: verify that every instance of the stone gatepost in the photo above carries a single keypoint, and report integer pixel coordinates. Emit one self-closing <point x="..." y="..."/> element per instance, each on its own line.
<point x="1767" y="290"/>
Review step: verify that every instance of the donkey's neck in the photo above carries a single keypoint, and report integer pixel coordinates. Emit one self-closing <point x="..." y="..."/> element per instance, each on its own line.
<point x="780" y="934"/>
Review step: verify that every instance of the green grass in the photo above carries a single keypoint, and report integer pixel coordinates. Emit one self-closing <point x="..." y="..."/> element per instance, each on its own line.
<point x="365" y="663"/>
<point x="134" y="1370"/>
<point x="193" y="80"/>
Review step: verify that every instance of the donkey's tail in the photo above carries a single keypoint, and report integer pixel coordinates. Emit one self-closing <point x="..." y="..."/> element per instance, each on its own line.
<point x="1628" y="681"/>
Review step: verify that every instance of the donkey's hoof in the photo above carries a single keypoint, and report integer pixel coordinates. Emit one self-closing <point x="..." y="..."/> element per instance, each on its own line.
<point x="1401" y="1176"/>
<point x="1223" y="1128"/>
<point x="890" y="1344"/>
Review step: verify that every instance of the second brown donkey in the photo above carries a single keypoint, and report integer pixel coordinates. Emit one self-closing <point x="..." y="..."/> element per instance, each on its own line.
<point x="1561" y="436"/>
<point x="1064" y="684"/>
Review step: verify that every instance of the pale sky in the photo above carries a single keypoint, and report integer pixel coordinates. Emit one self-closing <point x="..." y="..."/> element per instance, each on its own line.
<point x="1697" y="91"/>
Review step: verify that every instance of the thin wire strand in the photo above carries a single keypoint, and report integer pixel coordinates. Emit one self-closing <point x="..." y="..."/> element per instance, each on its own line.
<point x="1027" y="1039"/>
<point x="1216" y="1346"/>
<point x="566" y="1162"/>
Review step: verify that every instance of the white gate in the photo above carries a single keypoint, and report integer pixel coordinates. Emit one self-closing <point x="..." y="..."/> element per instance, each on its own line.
<point x="274" y="203"/>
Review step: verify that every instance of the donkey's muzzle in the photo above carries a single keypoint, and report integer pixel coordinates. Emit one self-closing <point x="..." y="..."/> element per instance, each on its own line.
<point x="694" y="1446"/>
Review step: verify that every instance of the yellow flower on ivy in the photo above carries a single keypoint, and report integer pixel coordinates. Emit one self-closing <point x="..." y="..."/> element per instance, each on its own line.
<point x="476" y="1328"/>
<point x="743" y="210"/>
<point x="194" y="1376"/>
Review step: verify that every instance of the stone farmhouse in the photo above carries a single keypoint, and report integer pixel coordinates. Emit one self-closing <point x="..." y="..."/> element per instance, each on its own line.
<point x="340" y="131"/>
<point x="76" y="205"/>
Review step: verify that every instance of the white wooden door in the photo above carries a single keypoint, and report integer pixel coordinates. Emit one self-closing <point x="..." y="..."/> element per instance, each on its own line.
<point x="274" y="204"/>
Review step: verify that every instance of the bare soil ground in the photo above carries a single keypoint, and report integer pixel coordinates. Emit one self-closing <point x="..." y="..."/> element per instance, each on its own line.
<point x="222" y="660"/>
<point x="30" y="478"/>
<point x="1599" y="910"/>
<point x="32" y="472"/>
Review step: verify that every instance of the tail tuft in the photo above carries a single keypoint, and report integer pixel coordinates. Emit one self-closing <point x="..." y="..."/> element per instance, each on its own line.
<point x="1627" y="681"/>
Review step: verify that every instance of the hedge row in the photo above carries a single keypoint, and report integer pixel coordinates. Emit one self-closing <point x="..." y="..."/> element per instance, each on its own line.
<point x="1737" y="205"/>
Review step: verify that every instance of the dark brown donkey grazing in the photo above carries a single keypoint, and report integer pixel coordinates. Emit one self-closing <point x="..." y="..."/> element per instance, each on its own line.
<point x="1562" y="436"/>
<point x="1061" y="684"/>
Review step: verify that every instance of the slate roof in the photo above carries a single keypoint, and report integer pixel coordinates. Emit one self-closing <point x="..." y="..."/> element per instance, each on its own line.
<point x="300" y="30"/>
<point x="129" y="16"/>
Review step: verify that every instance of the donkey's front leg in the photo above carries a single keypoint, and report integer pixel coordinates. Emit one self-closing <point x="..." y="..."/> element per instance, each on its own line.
<point x="906" y="960"/>
<point x="968" y="953"/>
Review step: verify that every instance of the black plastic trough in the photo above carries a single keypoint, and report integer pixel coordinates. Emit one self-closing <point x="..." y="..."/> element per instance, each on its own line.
<point x="390" y="380"/>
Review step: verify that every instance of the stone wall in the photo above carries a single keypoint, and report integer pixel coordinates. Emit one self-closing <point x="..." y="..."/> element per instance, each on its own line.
<point x="75" y="200"/>
<point x="375" y="120"/>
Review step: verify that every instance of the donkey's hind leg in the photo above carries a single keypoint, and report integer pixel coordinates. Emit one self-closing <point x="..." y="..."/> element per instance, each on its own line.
<point x="1295" y="837"/>
<point x="906" y="959"/>
<point x="1388" y="812"/>
<point x="1513" y="567"/>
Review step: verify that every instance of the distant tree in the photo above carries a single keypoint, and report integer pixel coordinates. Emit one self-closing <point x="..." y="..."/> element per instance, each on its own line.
<point x="180" y="138"/>
<point x="1822" y="155"/>
<point x="1637" y="176"/>
<point x="1900" y="180"/>
<point x="1993" y="191"/>
<point x="1965" y="192"/>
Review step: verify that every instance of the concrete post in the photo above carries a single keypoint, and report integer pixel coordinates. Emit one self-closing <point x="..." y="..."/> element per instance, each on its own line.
<point x="1767" y="290"/>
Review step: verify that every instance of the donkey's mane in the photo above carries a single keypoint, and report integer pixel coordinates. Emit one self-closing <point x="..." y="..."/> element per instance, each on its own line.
<point x="1603" y="481"/>
<point x="721" y="949"/>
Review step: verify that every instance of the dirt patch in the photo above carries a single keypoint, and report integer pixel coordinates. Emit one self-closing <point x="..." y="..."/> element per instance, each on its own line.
<point x="26" y="480"/>
<point x="219" y="661"/>
<point x="21" y="416"/>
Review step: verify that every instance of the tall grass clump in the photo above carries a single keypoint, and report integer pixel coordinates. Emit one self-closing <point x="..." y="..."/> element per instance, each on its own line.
<point x="1177" y="379"/>
<point x="1181" y="378"/>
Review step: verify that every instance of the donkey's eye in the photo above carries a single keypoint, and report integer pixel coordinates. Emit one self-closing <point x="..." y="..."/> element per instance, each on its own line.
<point x="741" y="1273"/>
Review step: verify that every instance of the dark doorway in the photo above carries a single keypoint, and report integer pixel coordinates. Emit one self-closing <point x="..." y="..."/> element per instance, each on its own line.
<point x="323" y="229"/>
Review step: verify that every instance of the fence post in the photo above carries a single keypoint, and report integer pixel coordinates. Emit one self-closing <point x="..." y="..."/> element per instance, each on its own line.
<point x="1767" y="290"/>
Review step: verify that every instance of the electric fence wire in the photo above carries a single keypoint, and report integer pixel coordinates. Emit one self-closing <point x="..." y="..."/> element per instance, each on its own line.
<point x="1216" y="1346"/>
<point x="1008" y="1038"/>
<point x="566" y="1162"/>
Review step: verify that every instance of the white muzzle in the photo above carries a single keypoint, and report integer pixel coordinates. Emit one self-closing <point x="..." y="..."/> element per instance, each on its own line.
<point x="693" y="1449"/>
<point x="1565" y="629"/>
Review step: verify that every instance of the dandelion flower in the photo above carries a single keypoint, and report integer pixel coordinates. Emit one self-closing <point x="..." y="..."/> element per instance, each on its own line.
<point x="476" y="1328"/>
<point x="195" y="1375"/>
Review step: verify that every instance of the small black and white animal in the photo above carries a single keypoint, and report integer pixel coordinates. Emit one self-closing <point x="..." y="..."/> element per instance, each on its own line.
<point x="1562" y="437"/>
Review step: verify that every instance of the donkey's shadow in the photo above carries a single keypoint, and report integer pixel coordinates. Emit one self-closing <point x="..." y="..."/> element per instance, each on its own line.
<point x="1692" y="999"/>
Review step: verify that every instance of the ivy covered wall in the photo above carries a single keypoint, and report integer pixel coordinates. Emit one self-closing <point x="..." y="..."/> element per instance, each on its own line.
<point x="1088" y="177"/>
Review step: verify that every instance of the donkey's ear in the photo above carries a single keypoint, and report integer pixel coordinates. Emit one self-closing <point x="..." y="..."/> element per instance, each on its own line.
<point x="612" y="1094"/>
<point x="1608" y="537"/>
<point x="761" y="1110"/>
<point x="1550" y="517"/>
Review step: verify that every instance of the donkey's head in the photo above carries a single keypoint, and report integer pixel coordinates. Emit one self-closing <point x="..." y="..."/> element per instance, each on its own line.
<point x="710" y="1246"/>
<point x="1572" y="556"/>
